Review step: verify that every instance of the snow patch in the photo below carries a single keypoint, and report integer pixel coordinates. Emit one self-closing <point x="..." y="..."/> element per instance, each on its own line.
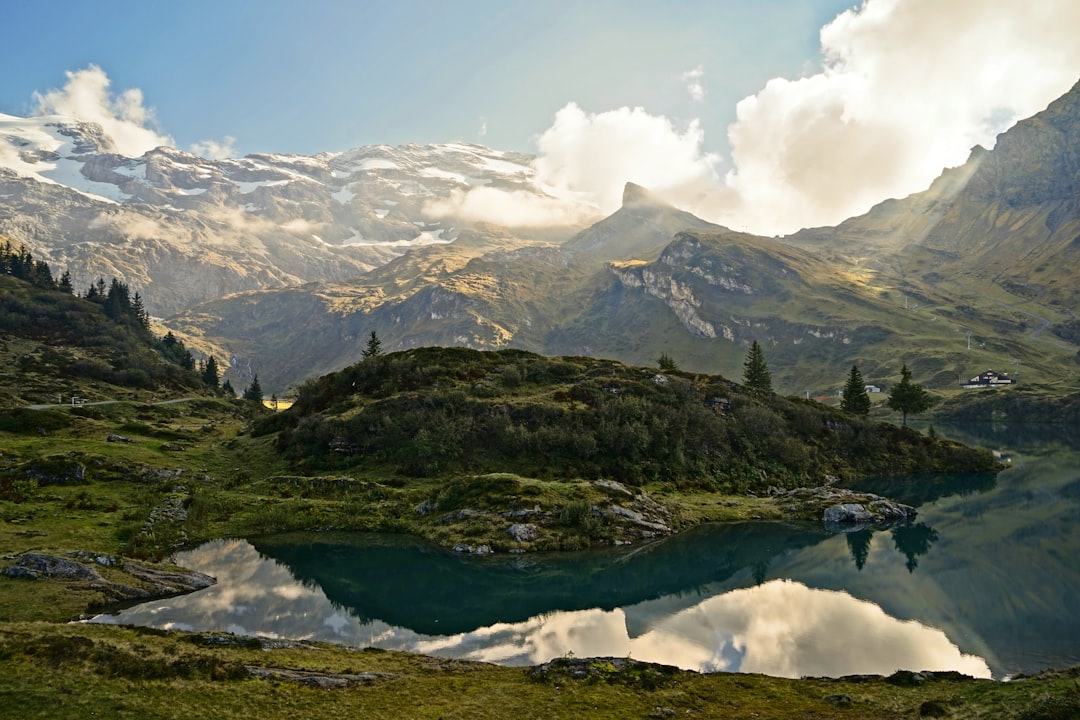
<point x="247" y="187"/>
<point x="344" y="195"/>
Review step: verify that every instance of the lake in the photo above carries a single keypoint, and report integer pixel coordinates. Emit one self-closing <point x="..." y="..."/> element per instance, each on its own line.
<point x="986" y="581"/>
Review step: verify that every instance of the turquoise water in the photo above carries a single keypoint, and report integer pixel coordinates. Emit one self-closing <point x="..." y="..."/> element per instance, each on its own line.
<point x="986" y="581"/>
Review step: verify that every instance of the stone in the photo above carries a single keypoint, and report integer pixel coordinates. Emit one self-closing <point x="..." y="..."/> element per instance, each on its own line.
<point x="847" y="514"/>
<point x="39" y="565"/>
<point x="524" y="532"/>
<point x="465" y="548"/>
<point x="840" y="699"/>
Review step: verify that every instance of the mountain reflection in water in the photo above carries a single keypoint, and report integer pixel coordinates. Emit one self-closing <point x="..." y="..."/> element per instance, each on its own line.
<point x="781" y="627"/>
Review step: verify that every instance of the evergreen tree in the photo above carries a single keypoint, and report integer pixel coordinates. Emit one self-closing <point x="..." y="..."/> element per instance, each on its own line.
<point x="756" y="375"/>
<point x="254" y="391"/>
<point x="854" y="398"/>
<point x="374" y="346"/>
<point x="666" y="362"/>
<point x="139" y="311"/>
<point x="117" y="300"/>
<point x="210" y="373"/>
<point x="908" y="397"/>
<point x="65" y="282"/>
<point x="228" y="388"/>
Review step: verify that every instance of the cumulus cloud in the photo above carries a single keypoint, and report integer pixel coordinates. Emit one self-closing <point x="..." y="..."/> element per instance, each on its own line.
<point x="907" y="88"/>
<point x="591" y="156"/>
<point x="692" y="80"/>
<point x="585" y="160"/>
<point x="214" y="150"/>
<point x="123" y="117"/>
<point x="510" y="208"/>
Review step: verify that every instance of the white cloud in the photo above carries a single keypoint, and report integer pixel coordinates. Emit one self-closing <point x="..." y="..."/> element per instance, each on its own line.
<point x="511" y="208"/>
<point x="692" y="79"/>
<point x="214" y="150"/>
<point x="908" y="87"/>
<point x="591" y="156"/>
<point x="123" y="117"/>
<point x="585" y="160"/>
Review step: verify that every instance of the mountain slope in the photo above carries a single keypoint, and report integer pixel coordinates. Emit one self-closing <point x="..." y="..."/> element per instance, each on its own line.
<point x="486" y="290"/>
<point x="185" y="229"/>
<point x="1008" y="217"/>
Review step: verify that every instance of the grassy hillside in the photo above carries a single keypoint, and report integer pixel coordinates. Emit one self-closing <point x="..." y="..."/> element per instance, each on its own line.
<point x="433" y="411"/>
<point x="55" y="344"/>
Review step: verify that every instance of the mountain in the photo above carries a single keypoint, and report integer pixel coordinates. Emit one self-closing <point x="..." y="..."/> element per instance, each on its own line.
<point x="975" y="272"/>
<point x="184" y="229"/>
<point x="1009" y="218"/>
<point x="486" y="290"/>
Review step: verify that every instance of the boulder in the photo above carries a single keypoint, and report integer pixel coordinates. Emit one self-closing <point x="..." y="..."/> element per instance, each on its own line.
<point x="847" y="514"/>
<point x="524" y="532"/>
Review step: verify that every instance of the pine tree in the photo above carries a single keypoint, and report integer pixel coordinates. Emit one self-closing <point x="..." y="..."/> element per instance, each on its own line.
<point x="65" y="282"/>
<point x="908" y="397"/>
<point x="210" y="374"/>
<point x="254" y="391"/>
<point x="228" y="388"/>
<point x="374" y="346"/>
<point x="854" y="398"/>
<point x="756" y="375"/>
<point x="666" y="362"/>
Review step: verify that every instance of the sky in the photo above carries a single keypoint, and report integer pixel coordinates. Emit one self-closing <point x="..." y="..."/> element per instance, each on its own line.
<point x="766" y="115"/>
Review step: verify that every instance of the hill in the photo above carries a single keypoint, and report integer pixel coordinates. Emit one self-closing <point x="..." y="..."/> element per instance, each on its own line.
<point x="433" y="411"/>
<point x="55" y="344"/>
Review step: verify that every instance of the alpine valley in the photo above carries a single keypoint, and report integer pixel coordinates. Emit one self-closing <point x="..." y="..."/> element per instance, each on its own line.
<point x="284" y="264"/>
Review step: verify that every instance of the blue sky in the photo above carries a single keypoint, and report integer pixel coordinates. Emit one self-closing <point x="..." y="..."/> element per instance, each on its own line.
<point x="287" y="76"/>
<point x="766" y="115"/>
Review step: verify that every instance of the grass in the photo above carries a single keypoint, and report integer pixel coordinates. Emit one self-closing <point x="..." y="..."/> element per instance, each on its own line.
<point x="86" y="670"/>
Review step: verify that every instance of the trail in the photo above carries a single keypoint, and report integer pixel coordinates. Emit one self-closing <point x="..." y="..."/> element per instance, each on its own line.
<point x="106" y="402"/>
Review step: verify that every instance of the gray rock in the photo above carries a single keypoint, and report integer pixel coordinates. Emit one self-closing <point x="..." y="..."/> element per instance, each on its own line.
<point x="524" y="532"/>
<point x="614" y="486"/>
<point x="39" y="565"/>
<point x="465" y="548"/>
<point x="847" y="514"/>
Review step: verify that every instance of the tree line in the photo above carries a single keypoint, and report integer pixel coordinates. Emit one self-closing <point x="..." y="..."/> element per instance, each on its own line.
<point x="906" y="397"/>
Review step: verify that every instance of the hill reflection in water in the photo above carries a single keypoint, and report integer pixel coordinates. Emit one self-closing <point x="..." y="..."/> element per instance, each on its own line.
<point x="780" y="627"/>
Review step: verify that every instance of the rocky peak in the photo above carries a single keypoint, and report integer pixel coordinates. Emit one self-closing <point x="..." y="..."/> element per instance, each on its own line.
<point x="636" y="196"/>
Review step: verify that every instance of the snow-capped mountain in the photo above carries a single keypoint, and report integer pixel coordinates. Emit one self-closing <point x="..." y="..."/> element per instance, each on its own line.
<point x="182" y="228"/>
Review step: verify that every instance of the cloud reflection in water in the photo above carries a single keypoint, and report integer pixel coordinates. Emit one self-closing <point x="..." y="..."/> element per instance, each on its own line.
<point x="780" y="628"/>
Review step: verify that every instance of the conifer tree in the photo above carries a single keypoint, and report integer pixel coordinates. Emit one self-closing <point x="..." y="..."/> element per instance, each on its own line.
<point x="666" y="362"/>
<point x="854" y="398"/>
<point x="374" y="346"/>
<point x="254" y="391"/>
<point x="210" y="374"/>
<point x="907" y="396"/>
<point x="756" y="375"/>
<point x="65" y="282"/>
